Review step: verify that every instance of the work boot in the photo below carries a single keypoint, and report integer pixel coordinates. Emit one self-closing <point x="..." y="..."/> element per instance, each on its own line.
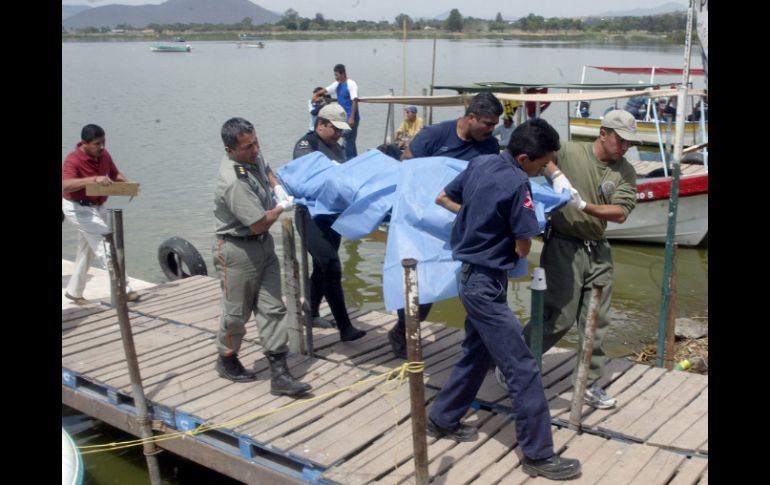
<point x="282" y="383"/>
<point x="462" y="432"/>
<point x="351" y="333"/>
<point x="553" y="468"/>
<point x="232" y="369"/>
<point x="397" y="343"/>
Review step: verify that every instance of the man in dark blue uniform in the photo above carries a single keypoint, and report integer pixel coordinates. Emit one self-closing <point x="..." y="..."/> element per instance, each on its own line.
<point x="464" y="139"/>
<point x="491" y="235"/>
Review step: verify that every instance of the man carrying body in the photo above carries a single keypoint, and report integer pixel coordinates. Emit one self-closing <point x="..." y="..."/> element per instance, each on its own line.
<point x="89" y="162"/>
<point x="490" y="236"/>
<point x="463" y="138"/>
<point x="346" y="92"/>
<point x="576" y="253"/>
<point x="323" y="241"/>
<point x="244" y="255"/>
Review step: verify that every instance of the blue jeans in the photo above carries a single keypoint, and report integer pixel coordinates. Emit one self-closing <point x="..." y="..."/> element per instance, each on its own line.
<point x="493" y="334"/>
<point x="350" y="142"/>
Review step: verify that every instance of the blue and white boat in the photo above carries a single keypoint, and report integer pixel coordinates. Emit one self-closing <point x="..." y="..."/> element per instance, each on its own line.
<point x="71" y="461"/>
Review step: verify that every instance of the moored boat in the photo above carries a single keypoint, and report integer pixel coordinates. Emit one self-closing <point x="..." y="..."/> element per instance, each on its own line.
<point x="159" y="47"/>
<point x="71" y="461"/>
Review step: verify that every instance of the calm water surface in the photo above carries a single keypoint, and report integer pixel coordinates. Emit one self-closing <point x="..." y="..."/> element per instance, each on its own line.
<point x="163" y="111"/>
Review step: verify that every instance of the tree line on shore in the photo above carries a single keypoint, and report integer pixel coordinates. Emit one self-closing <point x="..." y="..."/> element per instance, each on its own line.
<point x="669" y="24"/>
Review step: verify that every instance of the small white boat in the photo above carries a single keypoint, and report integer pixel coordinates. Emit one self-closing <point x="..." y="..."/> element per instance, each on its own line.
<point x="71" y="461"/>
<point x="158" y="47"/>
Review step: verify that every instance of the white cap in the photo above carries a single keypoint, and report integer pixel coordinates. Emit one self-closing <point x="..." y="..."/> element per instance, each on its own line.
<point x="336" y="115"/>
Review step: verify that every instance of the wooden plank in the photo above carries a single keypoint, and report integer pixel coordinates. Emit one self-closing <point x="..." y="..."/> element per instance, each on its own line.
<point x="659" y="469"/>
<point x="695" y="438"/>
<point x="690" y="472"/>
<point x="632" y="460"/>
<point x="682" y="422"/>
<point x="114" y="188"/>
<point x="623" y="390"/>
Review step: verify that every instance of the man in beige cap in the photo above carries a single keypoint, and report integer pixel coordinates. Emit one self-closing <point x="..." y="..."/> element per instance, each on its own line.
<point x="323" y="241"/>
<point x="576" y="254"/>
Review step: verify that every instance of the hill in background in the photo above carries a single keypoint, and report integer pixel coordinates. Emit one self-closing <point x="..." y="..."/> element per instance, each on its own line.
<point x="171" y="12"/>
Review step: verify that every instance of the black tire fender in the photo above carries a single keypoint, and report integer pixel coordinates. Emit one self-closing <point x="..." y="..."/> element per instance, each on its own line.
<point x="179" y="259"/>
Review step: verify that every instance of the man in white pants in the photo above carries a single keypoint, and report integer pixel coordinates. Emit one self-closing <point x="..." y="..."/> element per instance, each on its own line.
<point x="89" y="162"/>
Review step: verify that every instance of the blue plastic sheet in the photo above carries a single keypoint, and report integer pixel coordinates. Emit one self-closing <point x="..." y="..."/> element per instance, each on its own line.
<point x="365" y="189"/>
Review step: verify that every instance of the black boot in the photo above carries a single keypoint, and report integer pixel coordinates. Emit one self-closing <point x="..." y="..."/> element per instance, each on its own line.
<point x="397" y="343"/>
<point x="232" y="369"/>
<point x="351" y="333"/>
<point x="281" y="382"/>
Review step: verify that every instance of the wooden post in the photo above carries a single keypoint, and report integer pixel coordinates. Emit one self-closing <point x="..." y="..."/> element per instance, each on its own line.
<point x="116" y="216"/>
<point x="416" y="385"/>
<point x="118" y="285"/>
<point x="304" y="217"/>
<point x="291" y="287"/>
<point x="671" y="321"/>
<point x="584" y="362"/>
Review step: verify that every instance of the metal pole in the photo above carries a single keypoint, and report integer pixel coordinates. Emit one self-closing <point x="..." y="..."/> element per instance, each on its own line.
<point x="385" y="138"/>
<point x="536" y="337"/>
<point x="118" y="285"/>
<point x="416" y="385"/>
<point x="673" y="204"/>
<point x="403" y="21"/>
<point x="117" y="229"/>
<point x="303" y="222"/>
<point x="671" y="321"/>
<point x="576" y="409"/>
<point x="392" y="122"/>
<point x="432" y="80"/>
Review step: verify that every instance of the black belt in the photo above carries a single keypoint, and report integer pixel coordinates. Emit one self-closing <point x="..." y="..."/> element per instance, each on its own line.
<point x="86" y="203"/>
<point x="251" y="237"/>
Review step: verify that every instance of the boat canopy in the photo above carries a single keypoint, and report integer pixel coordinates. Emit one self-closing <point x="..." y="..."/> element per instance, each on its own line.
<point x="506" y="87"/>
<point x="464" y="98"/>
<point x="675" y="71"/>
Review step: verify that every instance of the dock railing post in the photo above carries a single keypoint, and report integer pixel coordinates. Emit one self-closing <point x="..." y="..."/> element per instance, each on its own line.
<point x="118" y="286"/>
<point x="538" y="290"/>
<point x="116" y="224"/>
<point x="669" y="357"/>
<point x="291" y="286"/>
<point x="304" y="216"/>
<point x="584" y="359"/>
<point x="416" y="385"/>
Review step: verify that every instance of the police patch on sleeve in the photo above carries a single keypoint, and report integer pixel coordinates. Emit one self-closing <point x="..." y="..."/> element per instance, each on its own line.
<point x="528" y="201"/>
<point x="240" y="171"/>
<point x="303" y="144"/>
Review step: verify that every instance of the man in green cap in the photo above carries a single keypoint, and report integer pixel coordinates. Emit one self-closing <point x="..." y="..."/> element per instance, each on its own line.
<point x="576" y="253"/>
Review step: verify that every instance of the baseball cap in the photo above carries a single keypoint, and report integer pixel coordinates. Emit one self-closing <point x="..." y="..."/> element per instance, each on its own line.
<point x="412" y="109"/>
<point x="622" y="122"/>
<point x="336" y="114"/>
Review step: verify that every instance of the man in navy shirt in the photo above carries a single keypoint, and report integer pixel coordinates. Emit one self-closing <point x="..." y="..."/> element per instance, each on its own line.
<point x="491" y="235"/>
<point x="463" y="138"/>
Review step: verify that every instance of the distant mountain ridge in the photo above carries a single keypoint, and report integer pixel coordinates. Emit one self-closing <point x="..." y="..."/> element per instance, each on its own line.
<point x="171" y="12"/>
<point x="70" y="10"/>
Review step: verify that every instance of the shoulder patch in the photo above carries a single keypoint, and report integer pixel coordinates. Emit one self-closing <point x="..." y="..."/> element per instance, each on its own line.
<point x="528" y="201"/>
<point x="303" y="144"/>
<point x="240" y="171"/>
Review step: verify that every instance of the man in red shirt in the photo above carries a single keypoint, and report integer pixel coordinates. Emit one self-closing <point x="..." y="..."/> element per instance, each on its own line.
<point x="89" y="162"/>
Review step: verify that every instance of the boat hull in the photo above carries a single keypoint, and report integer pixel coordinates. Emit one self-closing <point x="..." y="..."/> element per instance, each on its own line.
<point x="589" y="128"/>
<point x="71" y="461"/>
<point x="170" y="48"/>
<point x="648" y="222"/>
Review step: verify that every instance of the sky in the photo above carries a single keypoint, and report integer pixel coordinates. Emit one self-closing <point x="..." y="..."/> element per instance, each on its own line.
<point x="389" y="9"/>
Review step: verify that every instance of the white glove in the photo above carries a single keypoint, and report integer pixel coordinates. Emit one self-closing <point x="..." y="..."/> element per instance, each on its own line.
<point x="280" y="193"/>
<point x="560" y="182"/>
<point x="575" y="200"/>
<point x="287" y="204"/>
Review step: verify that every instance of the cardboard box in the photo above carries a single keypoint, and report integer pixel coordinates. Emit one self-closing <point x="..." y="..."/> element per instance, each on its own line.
<point x="115" y="188"/>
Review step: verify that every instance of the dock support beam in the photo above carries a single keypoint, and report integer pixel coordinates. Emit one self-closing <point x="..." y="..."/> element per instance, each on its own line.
<point x="291" y="284"/>
<point x="576" y="409"/>
<point x="416" y="385"/>
<point x="118" y="286"/>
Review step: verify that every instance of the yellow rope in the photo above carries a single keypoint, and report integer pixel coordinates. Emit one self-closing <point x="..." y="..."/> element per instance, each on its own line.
<point x="393" y="379"/>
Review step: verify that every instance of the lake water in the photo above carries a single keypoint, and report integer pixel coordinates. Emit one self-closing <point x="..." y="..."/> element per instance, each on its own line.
<point x="163" y="111"/>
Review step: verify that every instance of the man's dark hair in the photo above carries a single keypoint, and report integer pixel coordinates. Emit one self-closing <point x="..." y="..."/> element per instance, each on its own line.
<point x="317" y="89"/>
<point x="233" y="128"/>
<point x="534" y="138"/>
<point x="339" y="68"/>
<point x="484" y="104"/>
<point x="90" y="132"/>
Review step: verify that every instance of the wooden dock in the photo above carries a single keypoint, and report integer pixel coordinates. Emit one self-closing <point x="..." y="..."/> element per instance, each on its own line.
<point x="658" y="434"/>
